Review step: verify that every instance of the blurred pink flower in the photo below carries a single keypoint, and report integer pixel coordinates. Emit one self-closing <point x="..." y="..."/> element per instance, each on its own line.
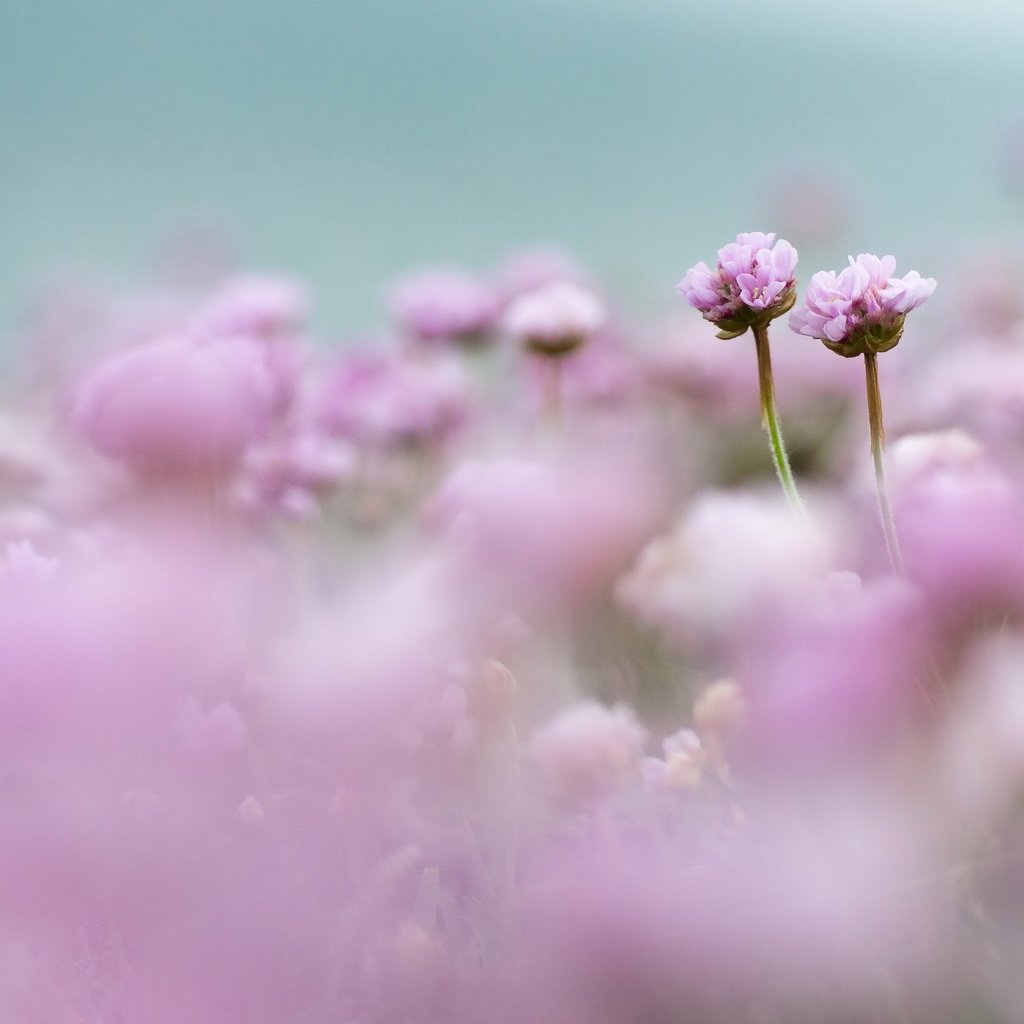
<point x="389" y="398"/>
<point x="548" y="534"/>
<point x="555" y="317"/>
<point x="253" y="305"/>
<point x="957" y="511"/>
<point x="445" y="305"/>
<point x="731" y="560"/>
<point x="177" y="406"/>
<point x="835" y="685"/>
<point x="588" y="751"/>
<point x="289" y="475"/>
<point x="766" y="920"/>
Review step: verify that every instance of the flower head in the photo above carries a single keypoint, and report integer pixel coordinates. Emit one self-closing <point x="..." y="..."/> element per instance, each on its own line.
<point x="388" y="398"/>
<point x="588" y="750"/>
<point x="751" y="283"/>
<point x="255" y="306"/>
<point x="177" y="406"/>
<point x="555" y="318"/>
<point x="443" y="304"/>
<point x="862" y="308"/>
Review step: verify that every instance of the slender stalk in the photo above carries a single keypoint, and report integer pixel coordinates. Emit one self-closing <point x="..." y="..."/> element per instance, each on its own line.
<point x="552" y="388"/>
<point x="770" y="419"/>
<point x="877" y="431"/>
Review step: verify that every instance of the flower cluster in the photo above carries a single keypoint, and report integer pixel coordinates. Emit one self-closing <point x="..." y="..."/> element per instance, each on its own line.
<point x="445" y="304"/>
<point x="751" y="284"/>
<point x="862" y="308"/>
<point x="342" y="686"/>
<point x="555" y="318"/>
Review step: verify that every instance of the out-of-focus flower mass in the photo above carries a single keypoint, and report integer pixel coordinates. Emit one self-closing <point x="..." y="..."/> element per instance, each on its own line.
<point x="475" y="671"/>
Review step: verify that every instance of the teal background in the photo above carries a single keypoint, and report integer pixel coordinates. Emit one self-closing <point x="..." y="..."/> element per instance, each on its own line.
<point x="347" y="142"/>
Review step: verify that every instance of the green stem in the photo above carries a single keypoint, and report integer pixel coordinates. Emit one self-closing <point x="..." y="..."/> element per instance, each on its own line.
<point x="877" y="431"/>
<point x="770" y="419"/>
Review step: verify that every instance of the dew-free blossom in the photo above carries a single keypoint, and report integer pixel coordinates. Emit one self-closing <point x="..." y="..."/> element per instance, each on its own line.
<point x="254" y="305"/>
<point x="445" y="304"/>
<point x="752" y="282"/>
<point x="555" y="318"/>
<point x="862" y="308"/>
<point x="177" y="406"/>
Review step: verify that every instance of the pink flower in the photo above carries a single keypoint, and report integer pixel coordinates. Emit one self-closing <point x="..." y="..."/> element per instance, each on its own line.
<point x="177" y="406"/>
<point x="862" y="308"/>
<point x="959" y="514"/>
<point x="290" y="474"/>
<point x="555" y="317"/>
<point x="730" y="557"/>
<point x="387" y="398"/>
<point x="254" y="305"/>
<point x="752" y="282"/>
<point x="544" y="535"/>
<point x="588" y="751"/>
<point x="442" y="304"/>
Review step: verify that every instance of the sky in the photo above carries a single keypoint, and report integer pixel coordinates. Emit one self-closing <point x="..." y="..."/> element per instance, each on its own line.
<point x="349" y="142"/>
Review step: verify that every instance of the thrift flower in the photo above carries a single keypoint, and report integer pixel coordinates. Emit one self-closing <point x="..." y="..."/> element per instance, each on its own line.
<point x="176" y="406"/>
<point x="751" y="283"/>
<point x="555" y="318"/>
<point x="445" y="305"/>
<point x="386" y="398"/>
<point x="254" y="305"/>
<point x="860" y="311"/>
<point x="862" y="308"/>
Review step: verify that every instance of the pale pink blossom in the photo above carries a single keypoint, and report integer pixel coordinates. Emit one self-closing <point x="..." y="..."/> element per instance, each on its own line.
<point x="587" y="752"/>
<point x="290" y="475"/>
<point x="752" y="280"/>
<point x="958" y="512"/>
<point x="445" y="304"/>
<point x="254" y="305"/>
<point x="545" y="535"/>
<point x="729" y="559"/>
<point x="176" y="406"/>
<point x="862" y="307"/>
<point x="555" y="317"/>
<point x="390" y="398"/>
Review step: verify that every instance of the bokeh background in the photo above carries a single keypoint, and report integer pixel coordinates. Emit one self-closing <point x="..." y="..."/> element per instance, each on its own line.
<point x="349" y="141"/>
